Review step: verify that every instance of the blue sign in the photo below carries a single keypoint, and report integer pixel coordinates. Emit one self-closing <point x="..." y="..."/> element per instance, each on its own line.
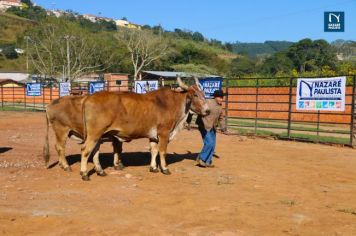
<point x="96" y="87"/>
<point x="210" y="85"/>
<point x="334" y="21"/>
<point x="64" y="89"/>
<point x="33" y="89"/>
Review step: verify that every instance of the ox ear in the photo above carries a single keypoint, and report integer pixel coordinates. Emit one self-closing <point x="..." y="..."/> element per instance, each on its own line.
<point x="198" y="84"/>
<point x="178" y="89"/>
<point x="181" y="84"/>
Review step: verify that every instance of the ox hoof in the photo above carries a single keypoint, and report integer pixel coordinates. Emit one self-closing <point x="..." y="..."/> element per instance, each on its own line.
<point x="166" y="172"/>
<point x="85" y="178"/>
<point x="119" y="167"/>
<point x="68" y="169"/>
<point x="82" y="173"/>
<point x="154" y="170"/>
<point x="101" y="173"/>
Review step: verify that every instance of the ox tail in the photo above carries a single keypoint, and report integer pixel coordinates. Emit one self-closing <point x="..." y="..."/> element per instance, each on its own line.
<point x="46" y="154"/>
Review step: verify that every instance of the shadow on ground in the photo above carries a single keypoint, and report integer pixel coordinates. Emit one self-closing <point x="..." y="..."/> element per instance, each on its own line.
<point x="131" y="158"/>
<point x="5" y="149"/>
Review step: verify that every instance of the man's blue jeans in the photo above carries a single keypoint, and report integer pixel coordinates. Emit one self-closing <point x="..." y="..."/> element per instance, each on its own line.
<point x="209" y="139"/>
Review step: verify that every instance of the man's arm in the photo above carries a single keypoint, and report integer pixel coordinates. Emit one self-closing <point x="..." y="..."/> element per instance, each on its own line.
<point x="222" y="124"/>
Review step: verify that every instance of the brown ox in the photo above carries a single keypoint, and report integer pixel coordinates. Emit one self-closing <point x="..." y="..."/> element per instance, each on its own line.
<point x="157" y="115"/>
<point x="65" y="116"/>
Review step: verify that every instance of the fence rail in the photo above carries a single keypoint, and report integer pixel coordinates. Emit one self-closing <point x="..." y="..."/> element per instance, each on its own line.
<point x="261" y="106"/>
<point x="254" y="106"/>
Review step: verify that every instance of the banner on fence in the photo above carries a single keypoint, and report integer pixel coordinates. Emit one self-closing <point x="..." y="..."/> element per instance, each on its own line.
<point x="96" y="87"/>
<point x="64" y="89"/>
<point x="140" y="86"/>
<point x="33" y="89"/>
<point x="325" y="94"/>
<point x="210" y="85"/>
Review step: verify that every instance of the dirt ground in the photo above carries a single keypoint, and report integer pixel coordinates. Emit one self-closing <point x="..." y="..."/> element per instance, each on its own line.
<point x="258" y="187"/>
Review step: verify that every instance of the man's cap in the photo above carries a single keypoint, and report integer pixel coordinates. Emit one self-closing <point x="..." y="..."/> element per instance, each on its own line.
<point x="219" y="93"/>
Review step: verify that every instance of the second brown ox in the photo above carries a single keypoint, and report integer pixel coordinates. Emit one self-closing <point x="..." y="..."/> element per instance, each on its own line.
<point x="157" y="115"/>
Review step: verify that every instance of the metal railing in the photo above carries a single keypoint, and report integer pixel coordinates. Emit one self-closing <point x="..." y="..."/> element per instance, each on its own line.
<point x="266" y="106"/>
<point x="254" y="106"/>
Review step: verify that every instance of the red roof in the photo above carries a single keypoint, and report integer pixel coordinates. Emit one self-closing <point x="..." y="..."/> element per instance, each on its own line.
<point x="14" y="1"/>
<point x="3" y="81"/>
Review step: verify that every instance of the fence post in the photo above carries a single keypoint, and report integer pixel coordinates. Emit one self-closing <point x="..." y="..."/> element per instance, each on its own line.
<point x="43" y="98"/>
<point x="290" y="106"/>
<point x="24" y="92"/>
<point x="318" y="127"/>
<point x="352" y="128"/>
<point x="226" y="102"/>
<point x="13" y="96"/>
<point x="50" y="94"/>
<point x="256" y="116"/>
<point x="2" y="97"/>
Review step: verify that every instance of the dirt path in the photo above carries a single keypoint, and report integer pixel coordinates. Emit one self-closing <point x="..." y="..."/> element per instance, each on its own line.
<point x="259" y="187"/>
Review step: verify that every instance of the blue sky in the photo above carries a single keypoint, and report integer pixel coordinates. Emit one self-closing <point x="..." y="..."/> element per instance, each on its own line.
<point x="226" y="20"/>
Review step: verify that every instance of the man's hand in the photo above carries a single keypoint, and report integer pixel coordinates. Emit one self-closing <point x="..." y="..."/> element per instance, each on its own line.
<point x="224" y="131"/>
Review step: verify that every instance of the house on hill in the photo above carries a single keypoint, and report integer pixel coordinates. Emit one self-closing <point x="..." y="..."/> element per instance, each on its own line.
<point x="5" y="4"/>
<point x="126" y="24"/>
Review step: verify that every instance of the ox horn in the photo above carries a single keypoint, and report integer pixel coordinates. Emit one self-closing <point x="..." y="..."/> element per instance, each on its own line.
<point x="147" y="87"/>
<point x="198" y="84"/>
<point x="181" y="84"/>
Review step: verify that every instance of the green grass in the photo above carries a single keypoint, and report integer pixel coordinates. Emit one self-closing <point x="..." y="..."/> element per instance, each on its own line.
<point x="293" y="126"/>
<point x="11" y="27"/>
<point x="306" y="137"/>
<point x="14" y="108"/>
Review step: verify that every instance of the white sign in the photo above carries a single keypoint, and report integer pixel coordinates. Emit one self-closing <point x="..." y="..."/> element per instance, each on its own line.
<point x="140" y="86"/>
<point x="325" y="94"/>
<point x="64" y="89"/>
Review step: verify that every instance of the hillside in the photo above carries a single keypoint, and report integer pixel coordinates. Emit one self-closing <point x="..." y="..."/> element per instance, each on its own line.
<point x="185" y="51"/>
<point x="11" y="27"/>
<point x="265" y="49"/>
<point x="346" y="50"/>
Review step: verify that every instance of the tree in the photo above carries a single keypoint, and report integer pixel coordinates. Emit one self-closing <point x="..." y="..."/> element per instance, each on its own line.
<point x="144" y="47"/>
<point x="33" y="13"/>
<point x="27" y="2"/>
<point x="242" y="66"/>
<point x="195" y="68"/>
<point x="277" y="63"/>
<point x="56" y="45"/>
<point x="198" y="37"/>
<point x="308" y="55"/>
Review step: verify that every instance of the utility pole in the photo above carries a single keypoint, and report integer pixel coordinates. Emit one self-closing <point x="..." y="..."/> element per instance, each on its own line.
<point x="67" y="37"/>
<point x="27" y="38"/>
<point x="160" y="31"/>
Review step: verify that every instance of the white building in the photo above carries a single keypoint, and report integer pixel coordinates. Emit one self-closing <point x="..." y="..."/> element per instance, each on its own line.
<point x="90" y="17"/>
<point x="126" y="24"/>
<point x="56" y="13"/>
<point x="17" y="76"/>
<point x="5" y="4"/>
